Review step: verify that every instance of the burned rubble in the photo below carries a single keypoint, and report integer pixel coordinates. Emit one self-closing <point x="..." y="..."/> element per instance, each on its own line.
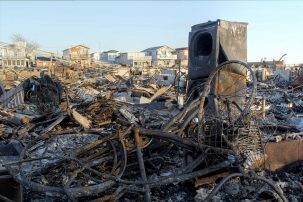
<point x="102" y="136"/>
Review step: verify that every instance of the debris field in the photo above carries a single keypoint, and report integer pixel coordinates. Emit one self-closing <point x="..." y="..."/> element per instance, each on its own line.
<point x="86" y="141"/>
<point x="112" y="133"/>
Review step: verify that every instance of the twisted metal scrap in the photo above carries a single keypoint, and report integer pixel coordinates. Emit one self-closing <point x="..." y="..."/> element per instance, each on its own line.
<point x="45" y="92"/>
<point x="211" y="126"/>
<point x="88" y="160"/>
<point x="105" y="167"/>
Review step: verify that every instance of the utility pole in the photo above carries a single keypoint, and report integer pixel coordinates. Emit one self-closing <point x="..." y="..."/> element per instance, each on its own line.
<point x="50" y="71"/>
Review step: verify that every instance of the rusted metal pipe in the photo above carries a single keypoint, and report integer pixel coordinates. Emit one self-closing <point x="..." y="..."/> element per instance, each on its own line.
<point x="141" y="164"/>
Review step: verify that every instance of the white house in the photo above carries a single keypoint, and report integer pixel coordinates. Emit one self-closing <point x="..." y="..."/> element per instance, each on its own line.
<point x="162" y="55"/>
<point x="109" y="56"/>
<point x="14" y="55"/>
<point x="95" y="57"/>
<point x="134" y="59"/>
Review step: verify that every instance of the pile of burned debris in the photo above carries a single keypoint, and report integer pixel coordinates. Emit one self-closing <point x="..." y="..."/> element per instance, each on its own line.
<point x="108" y="138"/>
<point x="121" y="134"/>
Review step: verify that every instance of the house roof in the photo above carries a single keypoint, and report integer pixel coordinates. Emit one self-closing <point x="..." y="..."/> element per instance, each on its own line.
<point x="155" y="48"/>
<point x="111" y="51"/>
<point x="94" y="53"/>
<point x="80" y="45"/>
<point x="76" y="46"/>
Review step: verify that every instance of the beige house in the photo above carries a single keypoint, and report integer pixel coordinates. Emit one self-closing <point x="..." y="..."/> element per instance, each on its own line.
<point x="182" y="56"/>
<point x="78" y="55"/>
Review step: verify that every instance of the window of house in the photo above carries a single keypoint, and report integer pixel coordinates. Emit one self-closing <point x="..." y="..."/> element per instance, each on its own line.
<point x="18" y="62"/>
<point x="14" y="62"/>
<point x="165" y="78"/>
<point x="9" y="62"/>
<point x="5" y="62"/>
<point x="22" y="62"/>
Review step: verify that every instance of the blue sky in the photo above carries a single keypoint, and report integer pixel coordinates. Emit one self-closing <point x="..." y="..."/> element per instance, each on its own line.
<point x="274" y="28"/>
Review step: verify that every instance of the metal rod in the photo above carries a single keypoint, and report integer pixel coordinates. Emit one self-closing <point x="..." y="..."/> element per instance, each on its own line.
<point x="141" y="164"/>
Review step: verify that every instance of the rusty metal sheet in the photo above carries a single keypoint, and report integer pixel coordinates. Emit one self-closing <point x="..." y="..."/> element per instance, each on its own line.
<point x="231" y="86"/>
<point x="283" y="153"/>
<point x="226" y="83"/>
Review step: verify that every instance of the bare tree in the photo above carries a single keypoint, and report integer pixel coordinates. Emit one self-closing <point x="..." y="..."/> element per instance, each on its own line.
<point x="18" y="38"/>
<point x="30" y="45"/>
